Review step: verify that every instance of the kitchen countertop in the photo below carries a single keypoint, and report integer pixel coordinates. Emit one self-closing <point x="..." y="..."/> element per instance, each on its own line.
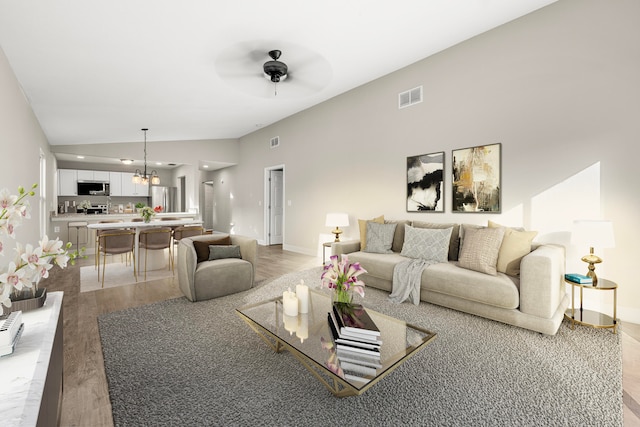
<point x="98" y="217"/>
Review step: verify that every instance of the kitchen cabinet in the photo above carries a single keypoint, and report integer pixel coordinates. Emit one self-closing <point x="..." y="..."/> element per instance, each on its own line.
<point x="87" y="175"/>
<point x="131" y="189"/>
<point x="115" y="183"/>
<point x="67" y="182"/>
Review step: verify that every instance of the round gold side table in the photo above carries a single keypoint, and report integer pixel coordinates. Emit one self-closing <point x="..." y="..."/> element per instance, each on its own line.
<point x="590" y="317"/>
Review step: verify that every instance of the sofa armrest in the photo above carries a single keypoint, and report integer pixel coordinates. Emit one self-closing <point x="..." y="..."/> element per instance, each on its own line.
<point x="187" y="268"/>
<point x="542" y="280"/>
<point x="345" y="247"/>
<point x="248" y="248"/>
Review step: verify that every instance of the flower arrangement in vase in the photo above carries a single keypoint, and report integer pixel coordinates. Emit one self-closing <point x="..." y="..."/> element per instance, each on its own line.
<point x="342" y="277"/>
<point x="147" y="213"/>
<point x="19" y="279"/>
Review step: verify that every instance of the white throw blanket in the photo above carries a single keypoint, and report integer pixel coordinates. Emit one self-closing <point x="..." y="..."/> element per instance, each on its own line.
<point x="406" y="280"/>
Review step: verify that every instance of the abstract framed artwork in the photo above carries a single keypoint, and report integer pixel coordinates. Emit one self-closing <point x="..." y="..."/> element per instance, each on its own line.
<point x="425" y="183"/>
<point x="476" y="179"/>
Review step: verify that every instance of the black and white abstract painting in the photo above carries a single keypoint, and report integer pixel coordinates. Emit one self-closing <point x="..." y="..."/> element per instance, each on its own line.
<point x="424" y="183"/>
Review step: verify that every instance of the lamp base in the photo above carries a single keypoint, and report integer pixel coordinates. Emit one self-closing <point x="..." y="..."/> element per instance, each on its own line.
<point x="592" y="259"/>
<point x="337" y="232"/>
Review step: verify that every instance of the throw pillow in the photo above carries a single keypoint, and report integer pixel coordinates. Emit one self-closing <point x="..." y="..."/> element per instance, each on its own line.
<point x="454" y="243"/>
<point x="202" y="247"/>
<point x="480" y="249"/>
<point x="379" y="237"/>
<point x="431" y="244"/>
<point x="515" y="245"/>
<point x="363" y="229"/>
<point x="398" y="236"/>
<point x="221" y="252"/>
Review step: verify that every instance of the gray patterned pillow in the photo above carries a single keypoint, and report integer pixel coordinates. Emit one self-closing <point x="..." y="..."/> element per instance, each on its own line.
<point x="480" y="249"/>
<point x="379" y="237"/>
<point x="427" y="243"/>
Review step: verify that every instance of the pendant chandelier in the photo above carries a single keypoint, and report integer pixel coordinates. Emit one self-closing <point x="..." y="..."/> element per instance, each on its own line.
<point x="142" y="177"/>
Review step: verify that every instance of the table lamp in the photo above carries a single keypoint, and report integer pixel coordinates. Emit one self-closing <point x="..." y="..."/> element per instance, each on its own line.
<point x="337" y="220"/>
<point x="592" y="233"/>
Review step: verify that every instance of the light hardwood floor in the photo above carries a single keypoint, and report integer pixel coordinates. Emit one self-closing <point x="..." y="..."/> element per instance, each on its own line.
<point x="86" y="397"/>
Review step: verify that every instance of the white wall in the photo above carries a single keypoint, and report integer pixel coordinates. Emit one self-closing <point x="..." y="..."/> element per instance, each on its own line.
<point x="558" y="88"/>
<point x="21" y="140"/>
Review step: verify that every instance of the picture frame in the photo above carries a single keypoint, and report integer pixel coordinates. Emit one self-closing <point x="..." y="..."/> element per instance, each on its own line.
<point x="476" y="179"/>
<point x="425" y="183"/>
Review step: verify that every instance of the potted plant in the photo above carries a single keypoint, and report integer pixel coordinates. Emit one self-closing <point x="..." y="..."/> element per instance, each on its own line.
<point x="19" y="279"/>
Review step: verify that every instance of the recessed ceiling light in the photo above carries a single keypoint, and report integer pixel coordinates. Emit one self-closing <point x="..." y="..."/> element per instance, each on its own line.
<point x="80" y="157"/>
<point x="126" y="161"/>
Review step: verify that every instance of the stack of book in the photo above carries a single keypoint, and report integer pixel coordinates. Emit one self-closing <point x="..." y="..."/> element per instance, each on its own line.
<point x="578" y="278"/>
<point x="10" y="330"/>
<point x="357" y="341"/>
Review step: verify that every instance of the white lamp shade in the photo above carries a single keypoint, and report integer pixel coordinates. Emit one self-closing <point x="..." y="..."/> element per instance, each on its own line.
<point x="593" y="233"/>
<point x="337" y="220"/>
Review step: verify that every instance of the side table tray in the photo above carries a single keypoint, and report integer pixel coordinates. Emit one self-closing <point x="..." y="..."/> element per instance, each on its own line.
<point x="590" y="317"/>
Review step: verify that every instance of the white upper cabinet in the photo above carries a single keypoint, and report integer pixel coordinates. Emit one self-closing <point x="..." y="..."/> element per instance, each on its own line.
<point x="67" y="182"/>
<point x="131" y="189"/>
<point x="85" y="175"/>
<point x="115" y="183"/>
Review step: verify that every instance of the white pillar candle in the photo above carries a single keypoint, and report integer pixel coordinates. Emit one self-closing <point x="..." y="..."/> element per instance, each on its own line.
<point x="290" y="323"/>
<point x="290" y="303"/>
<point x="302" y="293"/>
<point x="302" y="331"/>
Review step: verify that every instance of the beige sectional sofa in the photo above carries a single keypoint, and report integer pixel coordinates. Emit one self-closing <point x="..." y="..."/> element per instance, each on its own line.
<point x="534" y="299"/>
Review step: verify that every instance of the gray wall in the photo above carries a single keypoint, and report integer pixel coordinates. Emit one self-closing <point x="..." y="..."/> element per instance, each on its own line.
<point x="558" y="88"/>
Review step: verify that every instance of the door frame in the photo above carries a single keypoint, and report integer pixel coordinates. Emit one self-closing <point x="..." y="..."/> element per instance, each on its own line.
<point x="267" y="195"/>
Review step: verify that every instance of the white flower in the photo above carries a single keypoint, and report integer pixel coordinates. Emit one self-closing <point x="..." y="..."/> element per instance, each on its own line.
<point x="15" y="277"/>
<point x="31" y="263"/>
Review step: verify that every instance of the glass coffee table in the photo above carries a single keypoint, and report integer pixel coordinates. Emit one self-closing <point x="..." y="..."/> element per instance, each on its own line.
<point x="308" y="337"/>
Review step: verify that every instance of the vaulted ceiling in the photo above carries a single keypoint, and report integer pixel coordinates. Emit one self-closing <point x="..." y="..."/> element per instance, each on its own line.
<point x="98" y="71"/>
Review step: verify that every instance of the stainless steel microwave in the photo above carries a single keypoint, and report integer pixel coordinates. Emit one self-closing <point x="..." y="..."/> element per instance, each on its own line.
<point x="93" y="188"/>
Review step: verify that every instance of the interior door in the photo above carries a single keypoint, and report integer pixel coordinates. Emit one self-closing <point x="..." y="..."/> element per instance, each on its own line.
<point x="276" y="207"/>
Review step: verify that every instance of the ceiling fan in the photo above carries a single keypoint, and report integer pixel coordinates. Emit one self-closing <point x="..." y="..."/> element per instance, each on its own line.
<point x="275" y="70"/>
<point x="306" y="72"/>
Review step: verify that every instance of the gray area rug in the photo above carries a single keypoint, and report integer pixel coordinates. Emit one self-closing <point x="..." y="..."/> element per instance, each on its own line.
<point x="198" y="364"/>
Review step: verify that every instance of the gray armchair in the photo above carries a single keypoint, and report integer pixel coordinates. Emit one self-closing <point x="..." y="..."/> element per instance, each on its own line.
<point x="213" y="278"/>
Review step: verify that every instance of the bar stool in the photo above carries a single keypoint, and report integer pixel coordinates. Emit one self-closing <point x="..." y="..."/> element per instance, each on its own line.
<point x="155" y="239"/>
<point x="78" y="225"/>
<point x="98" y="232"/>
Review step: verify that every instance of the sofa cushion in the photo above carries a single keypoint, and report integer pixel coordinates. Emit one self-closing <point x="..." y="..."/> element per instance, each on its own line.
<point x="426" y="243"/>
<point x="362" y="223"/>
<point x="515" y="245"/>
<point x="480" y="249"/>
<point x="449" y="279"/>
<point x="379" y="237"/>
<point x="379" y="268"/>
<point x="224" y="251"/>
<point x="202" y="246"/>
<point x="454" y="243"/>
<point x="398" y="236"/>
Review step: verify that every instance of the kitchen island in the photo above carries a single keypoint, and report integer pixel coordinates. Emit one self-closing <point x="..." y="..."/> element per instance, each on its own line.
<point x="85" y="238"/>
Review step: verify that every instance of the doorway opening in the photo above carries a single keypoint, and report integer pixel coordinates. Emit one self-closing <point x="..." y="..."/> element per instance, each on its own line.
<point x="182" y="189"/>
<point x="274" y="205"/>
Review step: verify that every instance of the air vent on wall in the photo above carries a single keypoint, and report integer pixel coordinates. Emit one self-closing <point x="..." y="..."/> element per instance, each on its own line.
<point x="275" y="142"/>
<point x="410" y="97"/>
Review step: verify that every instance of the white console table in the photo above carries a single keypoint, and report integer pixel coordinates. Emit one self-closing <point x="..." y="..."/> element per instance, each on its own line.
<point x="31" y="379"/>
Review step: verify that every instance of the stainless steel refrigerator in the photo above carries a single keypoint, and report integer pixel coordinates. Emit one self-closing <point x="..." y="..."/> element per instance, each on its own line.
<point x="165" y="197"/>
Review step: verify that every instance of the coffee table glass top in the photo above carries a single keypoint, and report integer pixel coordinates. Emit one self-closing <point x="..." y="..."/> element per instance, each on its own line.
<point x="309" y="339"/>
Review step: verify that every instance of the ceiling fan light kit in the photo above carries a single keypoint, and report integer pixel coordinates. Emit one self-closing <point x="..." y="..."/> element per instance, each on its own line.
<point x="275" y="70"/>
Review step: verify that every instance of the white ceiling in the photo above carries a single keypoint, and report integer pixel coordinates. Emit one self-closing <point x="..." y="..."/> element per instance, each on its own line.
<point x="97" y="71"/>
